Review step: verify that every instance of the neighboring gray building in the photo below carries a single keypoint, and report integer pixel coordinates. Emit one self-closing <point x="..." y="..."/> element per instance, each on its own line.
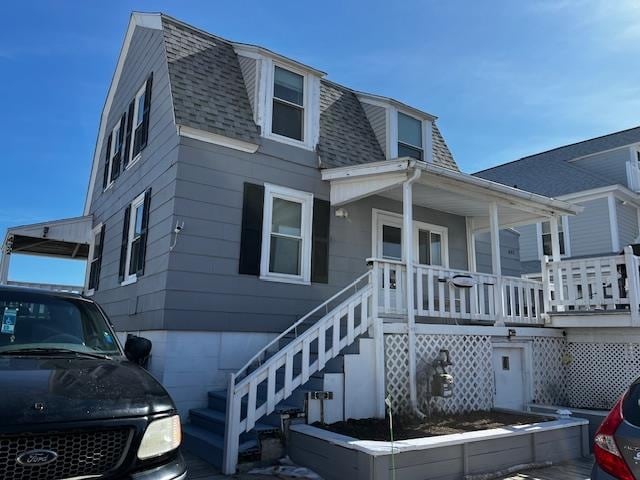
<point x="600" y="174"/>
<point x="233" y="190"/>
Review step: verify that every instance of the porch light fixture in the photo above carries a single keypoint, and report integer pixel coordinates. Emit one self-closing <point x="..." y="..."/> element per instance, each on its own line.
<point x="342" y="213"/>
<point x="511" y="332"/>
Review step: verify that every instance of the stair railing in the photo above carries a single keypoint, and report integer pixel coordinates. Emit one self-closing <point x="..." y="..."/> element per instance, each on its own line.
<point x="340" y="321"/>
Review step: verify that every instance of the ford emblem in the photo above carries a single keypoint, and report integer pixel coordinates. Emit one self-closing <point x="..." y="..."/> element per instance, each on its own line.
<point x="37" y="457"/>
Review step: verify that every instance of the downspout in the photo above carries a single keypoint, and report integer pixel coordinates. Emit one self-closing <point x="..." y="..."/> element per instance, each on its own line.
<point x="407" y="207"/>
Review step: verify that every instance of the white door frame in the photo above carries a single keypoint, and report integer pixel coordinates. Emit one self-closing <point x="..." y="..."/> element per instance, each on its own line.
<point x="382" y="217"/>
<point x="527" y="365"/>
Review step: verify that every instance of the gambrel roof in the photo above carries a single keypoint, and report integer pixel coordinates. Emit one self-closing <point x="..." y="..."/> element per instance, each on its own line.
<point x="551" y="173"/>
<point x="209" y="94"/>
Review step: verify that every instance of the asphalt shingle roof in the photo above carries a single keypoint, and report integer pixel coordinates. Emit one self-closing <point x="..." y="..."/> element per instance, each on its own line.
<point x="209" y="94"/>
<point x="550" y="173"/>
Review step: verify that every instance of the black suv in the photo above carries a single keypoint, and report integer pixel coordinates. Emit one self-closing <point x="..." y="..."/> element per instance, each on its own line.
<point x="73" y="404"/>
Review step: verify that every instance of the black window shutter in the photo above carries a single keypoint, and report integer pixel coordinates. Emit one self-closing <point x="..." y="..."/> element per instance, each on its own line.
<point x="96" y="262"/>
<point x="105" y="177"/>
<point x="251" y="235"/>
<point x="124" y="244"/>
<point x="127" y="136"/>
<point x="143" y="234"/>
<point x="147" y="109"/>
<point x="320" y="241"/>
<point x="117" y="158"/>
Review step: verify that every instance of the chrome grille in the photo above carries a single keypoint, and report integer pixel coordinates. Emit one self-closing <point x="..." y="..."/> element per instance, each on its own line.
<point x="79" y="453"/>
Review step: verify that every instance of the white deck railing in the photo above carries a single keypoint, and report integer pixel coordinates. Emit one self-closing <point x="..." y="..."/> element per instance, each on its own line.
<point x="602" y="283"/>
<point x="487" y="298"/>
<point x="290" y="356"/>
<point x="47" y="286"/>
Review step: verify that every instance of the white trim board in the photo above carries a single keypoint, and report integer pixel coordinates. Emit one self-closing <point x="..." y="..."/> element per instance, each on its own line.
<point x="146" y="20"/>
<point x="214" y="138"/>
<point x="436" y="329"/>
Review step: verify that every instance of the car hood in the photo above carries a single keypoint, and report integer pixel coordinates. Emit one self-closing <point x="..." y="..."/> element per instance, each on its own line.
<point x="76" y="389"/>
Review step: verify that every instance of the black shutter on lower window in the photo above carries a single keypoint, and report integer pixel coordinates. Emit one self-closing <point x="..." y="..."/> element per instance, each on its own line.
<point x="251" y="235"/>
<point x="105" y="176"/>
<point x="320" y="241"/>
<point x="147" y="109"/>
<point x="98" y="260"/>
<point x="127" y="136"/>
<point x="124" y="244"/>
<point x="143" y="234"/>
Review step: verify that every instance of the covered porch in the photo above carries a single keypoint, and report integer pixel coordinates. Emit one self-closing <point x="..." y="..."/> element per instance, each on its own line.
<point x="433" y="290"/>
<point x="67" y="239"/>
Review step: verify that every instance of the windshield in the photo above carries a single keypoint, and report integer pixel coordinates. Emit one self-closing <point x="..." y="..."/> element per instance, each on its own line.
<point x="45" y="322"/>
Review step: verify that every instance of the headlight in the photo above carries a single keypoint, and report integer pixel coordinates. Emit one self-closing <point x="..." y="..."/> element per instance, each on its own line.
<point x="161" y="436"/>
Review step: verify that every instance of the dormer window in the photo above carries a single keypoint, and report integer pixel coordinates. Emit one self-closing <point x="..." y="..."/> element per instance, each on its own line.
<point x="410" y="137"/>
<point x="288" y="104"/>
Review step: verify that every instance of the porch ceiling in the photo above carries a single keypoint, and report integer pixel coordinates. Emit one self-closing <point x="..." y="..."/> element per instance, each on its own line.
<point x="67" y="238"/>
<point x="444" y="190"/>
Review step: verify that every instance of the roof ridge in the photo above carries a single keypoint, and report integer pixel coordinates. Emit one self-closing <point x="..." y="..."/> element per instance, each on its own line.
<point x="559" y="148"/>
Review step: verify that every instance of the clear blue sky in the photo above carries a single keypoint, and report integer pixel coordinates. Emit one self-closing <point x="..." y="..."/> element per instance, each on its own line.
<point x="506" y="79"/>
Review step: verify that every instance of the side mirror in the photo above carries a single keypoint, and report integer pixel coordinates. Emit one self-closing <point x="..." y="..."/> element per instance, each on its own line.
<point x="137" y="350"/>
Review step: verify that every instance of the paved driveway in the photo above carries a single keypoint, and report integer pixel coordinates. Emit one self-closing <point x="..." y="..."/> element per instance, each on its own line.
<point x="575" y="470"/>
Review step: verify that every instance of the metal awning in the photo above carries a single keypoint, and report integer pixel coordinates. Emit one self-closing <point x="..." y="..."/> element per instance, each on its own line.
<point x="442" y="189"/>
<point x="67" y="238"/>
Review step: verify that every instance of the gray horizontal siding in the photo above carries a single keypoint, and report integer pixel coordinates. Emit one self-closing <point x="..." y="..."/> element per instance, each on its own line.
<point x="627" y="223"/>
<point x="610" y="165"/>
<point x="141" y="303"/>
<point x="509" y="253"/>
<point x="528" y="243"/>
<point x="589" y="231"/>
<point x="204" y="289"/>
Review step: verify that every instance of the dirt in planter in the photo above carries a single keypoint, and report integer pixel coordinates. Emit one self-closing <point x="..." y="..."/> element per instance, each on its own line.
<point x="439" y="424"/>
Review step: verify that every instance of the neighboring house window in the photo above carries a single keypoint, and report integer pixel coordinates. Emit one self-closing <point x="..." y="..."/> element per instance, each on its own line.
<point x="286" y="242"/>
<point x="410" y="137"/>
<point x="288" y="104"/>
<point x="429" y="247"/>
<point x="134" y="236"/>
<point x="546" y="237"/>
<point x="95" y="257"/>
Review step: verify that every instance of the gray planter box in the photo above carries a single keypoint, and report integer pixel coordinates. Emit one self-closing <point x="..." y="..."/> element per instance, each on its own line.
<point x="446" y="457"/>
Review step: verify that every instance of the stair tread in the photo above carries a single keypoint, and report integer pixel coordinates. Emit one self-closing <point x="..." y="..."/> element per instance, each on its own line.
<point x="217" y="416"/>
<point x="279" y="407"/>
<point x="216" y="441"/>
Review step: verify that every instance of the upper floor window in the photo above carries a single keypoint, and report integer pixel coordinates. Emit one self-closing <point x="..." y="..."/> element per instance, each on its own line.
<point x="140" y="120"/>
<point x="546" y="237"/>
<point x="288" y="104"/>
<point x="410" y="137"/>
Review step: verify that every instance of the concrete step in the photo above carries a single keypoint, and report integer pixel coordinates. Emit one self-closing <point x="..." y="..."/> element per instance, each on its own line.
<point x="209" y="446"/>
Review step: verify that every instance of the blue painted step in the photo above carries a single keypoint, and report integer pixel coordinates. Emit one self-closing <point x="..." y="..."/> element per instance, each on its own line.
<point x="210" y="446"/>
<point x="214" y="421"/>
<point x="218" y="401"/>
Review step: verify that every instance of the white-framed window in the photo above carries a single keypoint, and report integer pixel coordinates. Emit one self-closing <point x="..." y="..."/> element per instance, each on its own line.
<point x="410" y="133"/>
<point x="286" y="235"/>
<point x="288" y="104"/>
<point x="431" y="242"/>
<point x="136" y="216"/>
<point x="116" y="149"/>
<point x="544" y="233"/>
<point x="137" y="125"/>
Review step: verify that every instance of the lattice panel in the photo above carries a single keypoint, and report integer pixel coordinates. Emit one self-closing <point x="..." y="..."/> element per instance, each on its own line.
<point x="472" y="371"/>
<point x="549" y="371"/>
<point x="600" y="372"/>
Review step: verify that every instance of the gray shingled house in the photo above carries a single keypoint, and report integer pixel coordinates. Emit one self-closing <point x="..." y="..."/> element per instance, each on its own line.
<point x="600" y="174"/>
<point x="257" y="221"/>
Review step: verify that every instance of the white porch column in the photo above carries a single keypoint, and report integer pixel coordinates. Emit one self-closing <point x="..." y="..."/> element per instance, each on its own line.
<point x="471" y="246"/>
<point x="496" y="264"/>
<point x="556" y="256"/>
<point x="5" y="260"/>
<point x="407" y="239"/>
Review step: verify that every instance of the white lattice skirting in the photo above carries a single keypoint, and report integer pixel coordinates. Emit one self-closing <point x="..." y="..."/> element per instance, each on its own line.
<point x="549" y="371"/>
<point x="472" y="370"/>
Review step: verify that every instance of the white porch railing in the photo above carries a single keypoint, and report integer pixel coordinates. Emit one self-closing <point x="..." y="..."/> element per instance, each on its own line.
<point x="488" y="298"/>
<point x="602" y="283"/>
<point x="290" y="356"/>
<point x="47" y="286"/>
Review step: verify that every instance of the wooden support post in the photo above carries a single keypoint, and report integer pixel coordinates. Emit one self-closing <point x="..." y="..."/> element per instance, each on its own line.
<point x="378" y="337"/>
<point x="231" y="432"/>
<point x="633" y="284"/>
<point x="558" y="284"/>
<point x="496" y="264"/>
